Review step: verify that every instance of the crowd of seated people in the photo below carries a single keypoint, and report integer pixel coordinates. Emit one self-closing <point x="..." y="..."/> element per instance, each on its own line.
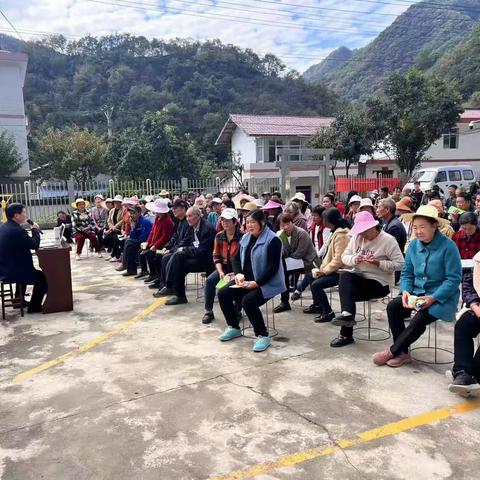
<point x="252" y="249"/>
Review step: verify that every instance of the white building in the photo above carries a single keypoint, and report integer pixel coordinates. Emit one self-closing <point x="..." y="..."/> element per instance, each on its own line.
<point x="461" y="145"/>
<point x="263" y="142"/>
<point x="13" y="67"/>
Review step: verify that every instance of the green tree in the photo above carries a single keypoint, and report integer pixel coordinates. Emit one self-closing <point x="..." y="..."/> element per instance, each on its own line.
<point x="156" y="150"/>
<point x="10" y="159"/>
<point x="73" y="153"/>
<point x="350" y="135"/>
<point x="413" y="113"/>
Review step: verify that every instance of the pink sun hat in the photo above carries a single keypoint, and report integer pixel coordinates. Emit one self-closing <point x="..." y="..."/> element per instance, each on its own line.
<point x="270" y="205"/>
<point x="363" y="221"/>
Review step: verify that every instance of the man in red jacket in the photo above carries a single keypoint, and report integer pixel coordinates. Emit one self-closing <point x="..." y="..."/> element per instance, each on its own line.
<point x="160" y="235"/>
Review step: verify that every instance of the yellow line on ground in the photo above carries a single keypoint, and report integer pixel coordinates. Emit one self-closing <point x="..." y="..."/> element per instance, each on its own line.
<point x="91" y="344"/>
<point x="387" y="430"/>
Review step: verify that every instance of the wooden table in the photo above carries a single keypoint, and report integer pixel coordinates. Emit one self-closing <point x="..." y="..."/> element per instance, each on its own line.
<point x="55" y="265"/>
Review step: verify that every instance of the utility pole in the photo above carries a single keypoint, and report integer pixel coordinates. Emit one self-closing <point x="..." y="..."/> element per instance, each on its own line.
<point x="108" y="112"/>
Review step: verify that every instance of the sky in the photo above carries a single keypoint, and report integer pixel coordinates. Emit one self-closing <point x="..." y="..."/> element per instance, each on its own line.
<point x="300" y="32"/>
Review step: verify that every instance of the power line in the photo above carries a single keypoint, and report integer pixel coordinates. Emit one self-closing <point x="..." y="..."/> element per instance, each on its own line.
<point x="229" y="18"/>
<point x="11" y="24"/>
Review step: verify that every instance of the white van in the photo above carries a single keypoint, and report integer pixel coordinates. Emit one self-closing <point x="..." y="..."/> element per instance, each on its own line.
<point x="460" y="175"/>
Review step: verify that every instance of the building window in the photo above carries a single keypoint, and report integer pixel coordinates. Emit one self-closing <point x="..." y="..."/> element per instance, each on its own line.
<point x="295" y="144"/>
<point x="450" y="138"/>
<point x="260" y="150"/>
<point x="271" y="150"/>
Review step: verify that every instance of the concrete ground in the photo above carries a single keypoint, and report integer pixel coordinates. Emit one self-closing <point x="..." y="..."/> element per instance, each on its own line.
<point x="133" y="392"/>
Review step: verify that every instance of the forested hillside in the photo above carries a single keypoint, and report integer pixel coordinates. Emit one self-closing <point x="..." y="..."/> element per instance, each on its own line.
<point x="199" y="83"/>
<point x="427" y="34"/>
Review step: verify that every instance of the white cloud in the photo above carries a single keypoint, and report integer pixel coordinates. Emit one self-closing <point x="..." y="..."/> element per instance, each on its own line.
<point x="300" y="35"/>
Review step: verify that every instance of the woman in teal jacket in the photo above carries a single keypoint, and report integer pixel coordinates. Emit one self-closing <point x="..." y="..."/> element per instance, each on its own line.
<point x="429" y="284"/>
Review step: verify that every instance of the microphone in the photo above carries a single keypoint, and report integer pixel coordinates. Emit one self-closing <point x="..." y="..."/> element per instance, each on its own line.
<point x="30" y="222"/>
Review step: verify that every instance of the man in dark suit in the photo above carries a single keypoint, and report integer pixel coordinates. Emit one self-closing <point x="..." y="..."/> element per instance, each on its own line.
<point x="195" y="257"/>
<point x="16" y="264"/>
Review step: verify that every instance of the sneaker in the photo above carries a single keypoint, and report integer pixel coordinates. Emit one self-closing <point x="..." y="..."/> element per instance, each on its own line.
<point x="229" y="334"/>
<point x="113" y="259"/>
<point x="261" y="344"/>
<point x="341" y="341"/>
<point x="121" y="268"/>
<point x="282" y="307"/>
<point x="208" y="318"/>
<point x="325" y="318"/>
<point x="463" y="384"/>
<point x="99" y="255"/>
<point x="344" y="321"/>
<point x="295" y="296"/>
<point x="399" y="360"/>
<point x="381" y="358"/>
<point x="77" y="257"/>
<point x="312" y="309"/>
<point x="150" y="279"/>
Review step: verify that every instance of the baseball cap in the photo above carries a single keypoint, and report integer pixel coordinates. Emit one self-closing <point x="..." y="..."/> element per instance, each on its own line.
<point x="229" y="213"/>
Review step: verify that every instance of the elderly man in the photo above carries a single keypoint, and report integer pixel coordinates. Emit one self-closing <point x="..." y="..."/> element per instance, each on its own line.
<point x="196" y="257"/>
<point x="390" y="223"/>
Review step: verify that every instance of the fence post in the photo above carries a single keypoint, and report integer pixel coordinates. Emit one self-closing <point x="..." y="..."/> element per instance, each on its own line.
<point x="26" y="188"/>
<point x="71" y="191"/>
<point x="148" y="185"/>
<point x="184" y="184"/>
<point x="111" y="188"/>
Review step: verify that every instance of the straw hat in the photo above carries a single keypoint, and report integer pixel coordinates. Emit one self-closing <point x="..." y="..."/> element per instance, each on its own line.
<point x="160" y="205"/>
<point x="405" y="204"/>
<point x="271" y="205"/>
<point x="131" y="201"/>
<point x="249" y="206"/>
<point x="109" y="200"/>
<point x="366" y="202"/>
<point x="118" y="198"/>
<point x="363" y="221"/>
<point x="428" y="211"/>
<point x="100" y="196"/>
<point x="80" y="200"/>
<point x="164" y="193"/>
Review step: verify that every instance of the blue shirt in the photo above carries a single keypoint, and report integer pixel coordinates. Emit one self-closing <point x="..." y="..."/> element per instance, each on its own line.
<point x="434" y="269"/>
<point x="141" y="230"/>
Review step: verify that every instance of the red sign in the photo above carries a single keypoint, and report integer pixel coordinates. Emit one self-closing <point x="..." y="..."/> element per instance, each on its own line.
<point x="366" y="184"/>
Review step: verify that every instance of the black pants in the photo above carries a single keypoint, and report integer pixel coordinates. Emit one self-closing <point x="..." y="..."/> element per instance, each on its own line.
<point x="466" y="329"/>
<point x="108" y="241"/>
<point x="403" y="336"/>
<point x="150" y="261"/>
<point x="288" y="276"/>
<point x="67" y="233"/>
<point x="355" y="288"/>
<point x="40" y="288"/>
<point x="130" y="254"/>
<point x="251" y="301"/>
<point x="179" y="266"/>
<point x="318" y="287"/>
<point x="99" y="234"/>
<point x="164" y="267"/>
<point x="117" y="246"/>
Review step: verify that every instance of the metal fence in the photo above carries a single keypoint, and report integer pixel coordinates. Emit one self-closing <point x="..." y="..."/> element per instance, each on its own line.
<point x="44" y="200"/>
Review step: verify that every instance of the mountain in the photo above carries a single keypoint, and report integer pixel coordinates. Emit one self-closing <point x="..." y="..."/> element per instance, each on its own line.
<point x="332" y="62"/>
<point x="198" y="83"/>
<point x="420" y="37"/>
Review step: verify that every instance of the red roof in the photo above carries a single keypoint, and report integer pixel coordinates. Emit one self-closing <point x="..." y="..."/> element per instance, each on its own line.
<point x="469" y="115"/>
<point x="270" y="125"/>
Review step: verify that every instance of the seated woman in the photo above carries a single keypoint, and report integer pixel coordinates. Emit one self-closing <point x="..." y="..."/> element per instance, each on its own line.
<point x="83" y="227"/>
<point x="466" y="367"/>
<point x="429" y="285"/>
<point x="467" y="239"/>
<point x="272" y="211"/>
<point x="297" y="245"/>
<point x="227" y="243"/>
<point x="298" y="219"/>
<point x="374" y="257"/>
<point x="64" y="219"/>
<point x="327" y="275"/>
<point x="99" y="215"/>
<point x="258" y="274"/>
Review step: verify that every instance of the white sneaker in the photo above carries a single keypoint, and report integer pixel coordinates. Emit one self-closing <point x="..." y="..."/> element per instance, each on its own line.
<point x="99" y="255"/>
<point x="77" y="257"/>
<point x="113" y="259"/>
